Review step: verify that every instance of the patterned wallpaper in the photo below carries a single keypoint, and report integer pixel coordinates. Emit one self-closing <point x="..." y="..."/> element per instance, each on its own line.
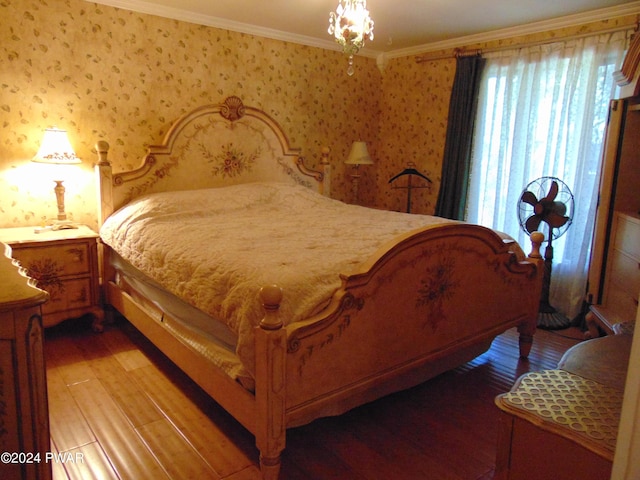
<point x="413" y="127"/>
<point x="112" y="74"/>
<point x="106" y="73"/>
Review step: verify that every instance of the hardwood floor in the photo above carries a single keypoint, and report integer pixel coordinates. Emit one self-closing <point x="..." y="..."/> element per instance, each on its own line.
<point x="122" y="410"/>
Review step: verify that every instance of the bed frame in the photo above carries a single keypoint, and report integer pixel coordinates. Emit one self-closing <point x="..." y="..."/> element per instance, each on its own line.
<point x="449" y="289"/>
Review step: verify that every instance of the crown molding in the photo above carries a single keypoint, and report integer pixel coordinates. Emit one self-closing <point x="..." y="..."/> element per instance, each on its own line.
<point x="141" y="6"/>
<point x="632" y="8"/>
<point x="608" y="13"/>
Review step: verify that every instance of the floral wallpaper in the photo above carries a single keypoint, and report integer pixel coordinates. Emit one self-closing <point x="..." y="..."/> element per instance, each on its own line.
<point x="415" y="102"/>
<point x="104" y="73"/>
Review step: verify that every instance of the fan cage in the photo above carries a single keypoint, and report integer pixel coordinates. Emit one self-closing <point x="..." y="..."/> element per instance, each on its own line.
<point x="540" y="187"/>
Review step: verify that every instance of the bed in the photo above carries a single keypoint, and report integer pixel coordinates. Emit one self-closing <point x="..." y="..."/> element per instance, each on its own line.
<point x="227" y="252"/>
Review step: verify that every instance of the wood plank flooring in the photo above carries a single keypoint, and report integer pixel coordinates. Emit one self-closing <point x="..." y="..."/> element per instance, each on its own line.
<point x="124" y="411"/>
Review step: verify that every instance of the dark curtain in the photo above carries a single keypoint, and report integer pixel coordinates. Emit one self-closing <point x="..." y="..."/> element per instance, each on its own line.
<point x="463" y="105"/>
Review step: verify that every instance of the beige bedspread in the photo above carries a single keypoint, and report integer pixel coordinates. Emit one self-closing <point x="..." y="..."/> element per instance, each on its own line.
<point x="215" y="248"/>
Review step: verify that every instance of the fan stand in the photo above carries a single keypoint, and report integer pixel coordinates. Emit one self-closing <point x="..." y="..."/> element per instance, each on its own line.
<point x="548" y="317"/>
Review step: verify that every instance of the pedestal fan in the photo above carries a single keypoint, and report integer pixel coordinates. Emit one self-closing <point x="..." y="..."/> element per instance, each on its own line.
<point x="547" y="200"/>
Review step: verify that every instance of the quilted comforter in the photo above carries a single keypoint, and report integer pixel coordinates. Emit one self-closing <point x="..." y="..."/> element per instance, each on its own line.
<point x="215" y="248"/>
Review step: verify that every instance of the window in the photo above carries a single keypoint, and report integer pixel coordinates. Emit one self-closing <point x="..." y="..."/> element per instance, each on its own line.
<point x="542" y="111"/>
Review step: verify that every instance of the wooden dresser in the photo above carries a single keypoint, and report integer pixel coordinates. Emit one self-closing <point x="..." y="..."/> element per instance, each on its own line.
<point x="614" y="268"/>
<point x="24" y="413"/>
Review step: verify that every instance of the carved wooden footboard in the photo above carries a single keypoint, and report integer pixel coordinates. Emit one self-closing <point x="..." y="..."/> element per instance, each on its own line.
<point x="429" y="303"/>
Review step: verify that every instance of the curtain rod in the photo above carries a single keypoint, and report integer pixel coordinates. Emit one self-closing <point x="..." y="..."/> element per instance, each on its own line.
<point x="462" y="52"/>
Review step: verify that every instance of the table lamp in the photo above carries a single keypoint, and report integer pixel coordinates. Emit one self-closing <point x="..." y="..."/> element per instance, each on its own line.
<point x="359" y="155"/>
<point x="56" y="149"/>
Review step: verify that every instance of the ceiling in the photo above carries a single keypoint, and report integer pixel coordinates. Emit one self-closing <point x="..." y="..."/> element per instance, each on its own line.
<point x="402" y="27"/>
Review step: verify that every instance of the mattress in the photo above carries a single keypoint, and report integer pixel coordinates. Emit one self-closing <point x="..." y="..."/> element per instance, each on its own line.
<point x="172" y="306"/>
<point x="208" y="336"/>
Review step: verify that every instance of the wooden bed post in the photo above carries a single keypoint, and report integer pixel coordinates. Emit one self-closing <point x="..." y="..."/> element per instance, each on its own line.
<point x="104" y="190"/>
<point x="527" y="331"/>
<point x="326" y="172"/>
<point x="271" y="350"/>
<point x="104" y="179"/>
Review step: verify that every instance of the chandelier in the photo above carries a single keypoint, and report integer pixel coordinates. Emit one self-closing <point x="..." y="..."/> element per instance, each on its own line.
<point x="350" y="24"/>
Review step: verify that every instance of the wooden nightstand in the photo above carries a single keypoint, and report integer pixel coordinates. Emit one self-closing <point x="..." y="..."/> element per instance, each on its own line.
<point x="65" y="264"/>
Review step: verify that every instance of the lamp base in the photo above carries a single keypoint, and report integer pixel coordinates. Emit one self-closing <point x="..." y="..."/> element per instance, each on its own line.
<point x="57" y="225"/>
<point x="63" y="225"/>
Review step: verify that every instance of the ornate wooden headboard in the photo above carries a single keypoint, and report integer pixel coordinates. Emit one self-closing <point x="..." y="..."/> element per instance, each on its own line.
<point x="211" y="146"/>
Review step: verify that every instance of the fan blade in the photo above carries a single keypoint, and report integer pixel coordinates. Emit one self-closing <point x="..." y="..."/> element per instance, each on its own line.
<point x="554" y="220"/>
<point x="559" y="208"/>
<point x="553" y="191"/>
<point x="529" y="198"/>
<point x="532" y="223"/>
<point x="541" y="208"/>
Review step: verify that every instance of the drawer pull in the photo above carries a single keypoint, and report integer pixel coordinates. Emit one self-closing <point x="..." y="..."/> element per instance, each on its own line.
<point x="77" y="254"/>
<point x="82" y="296"/>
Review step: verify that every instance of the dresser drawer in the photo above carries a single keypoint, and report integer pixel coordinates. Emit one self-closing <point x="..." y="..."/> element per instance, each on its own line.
<point x="622" y="306"/>
<point x="47" y="262"/>
<point x="628" y="236"/>
<point x="625" y="273"/>
<point x="68" y="295"/>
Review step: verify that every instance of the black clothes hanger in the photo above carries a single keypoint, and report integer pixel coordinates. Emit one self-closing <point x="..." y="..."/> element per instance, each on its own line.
<point x="410" y="171"/>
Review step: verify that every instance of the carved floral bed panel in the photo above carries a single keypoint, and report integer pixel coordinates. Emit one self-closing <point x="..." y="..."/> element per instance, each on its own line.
<point x="214" y="146"/>
<point x="440" y="299"/>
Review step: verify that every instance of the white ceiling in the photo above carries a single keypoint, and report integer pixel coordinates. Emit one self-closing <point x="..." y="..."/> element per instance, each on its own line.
<point x="401" y="27"/>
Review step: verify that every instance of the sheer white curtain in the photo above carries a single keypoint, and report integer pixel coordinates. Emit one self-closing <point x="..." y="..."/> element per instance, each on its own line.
<point x="542" y="112"/>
